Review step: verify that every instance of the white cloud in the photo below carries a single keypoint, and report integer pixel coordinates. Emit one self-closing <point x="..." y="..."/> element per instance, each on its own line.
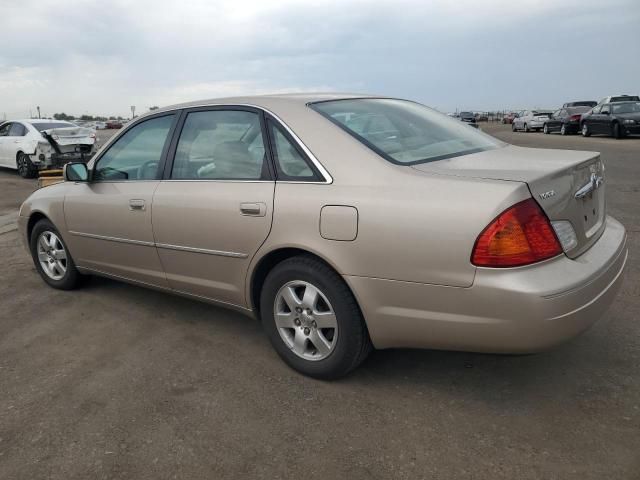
<point x="102" y="57"/>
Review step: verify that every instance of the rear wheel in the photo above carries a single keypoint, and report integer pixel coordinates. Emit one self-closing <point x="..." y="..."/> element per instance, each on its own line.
<point x="526" y="128"/>
<point x="585" y="130"/>
<point x="563" y="129"/>
<point x="545" y="129"/>
<point x="52" y="258"/>
<point x="26" y="169"/>
<point x="312" y="319"/>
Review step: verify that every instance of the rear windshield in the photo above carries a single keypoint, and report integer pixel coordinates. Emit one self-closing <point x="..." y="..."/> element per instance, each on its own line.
<point x="626" y="107"/>
<point x="46" y="126"/>
<point x="624" y="98"/>
<point x="405" y="132"/>
<point x="575" y="110"/>
<point x="582" y="104"/>
<point x="541" y="113"/>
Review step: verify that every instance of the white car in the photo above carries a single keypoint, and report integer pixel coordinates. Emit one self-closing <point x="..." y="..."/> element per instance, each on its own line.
<point x="531" y="120"/>
<point x="30" y="145"/>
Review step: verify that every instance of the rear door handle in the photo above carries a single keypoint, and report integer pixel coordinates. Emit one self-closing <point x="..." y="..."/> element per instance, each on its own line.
<point x="136" y="204"/>
<point x="257" y="209"/>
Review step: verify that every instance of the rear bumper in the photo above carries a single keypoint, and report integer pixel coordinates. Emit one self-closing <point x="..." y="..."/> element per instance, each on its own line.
<point x="514" y="310"/>
<point x="536" y="123"/>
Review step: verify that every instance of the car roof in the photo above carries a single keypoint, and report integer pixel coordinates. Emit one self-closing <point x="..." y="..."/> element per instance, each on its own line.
<point x="267" y="101"/>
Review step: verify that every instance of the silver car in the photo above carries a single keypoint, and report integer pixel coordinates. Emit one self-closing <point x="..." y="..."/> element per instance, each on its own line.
<point x="342" y="222"/>
<point x="531" y="120"/>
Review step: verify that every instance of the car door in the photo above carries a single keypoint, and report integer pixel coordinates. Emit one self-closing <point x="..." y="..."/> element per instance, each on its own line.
<point x="605" y="119"/>
<point x="213" y="208"/>
<point x="109" y="218"/>
<point x="555" y="120"/>
<point x="4" y="145"/>
<point x="593" y="120"/>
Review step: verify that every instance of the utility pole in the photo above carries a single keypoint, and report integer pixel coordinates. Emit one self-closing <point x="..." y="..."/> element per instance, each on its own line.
<point x="38" y="111"/>
<point x="133" y="112"/>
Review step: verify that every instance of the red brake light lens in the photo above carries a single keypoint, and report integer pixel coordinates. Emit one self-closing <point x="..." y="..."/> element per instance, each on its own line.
<point x="520" y="235"/>
<point x="575" y="118"/>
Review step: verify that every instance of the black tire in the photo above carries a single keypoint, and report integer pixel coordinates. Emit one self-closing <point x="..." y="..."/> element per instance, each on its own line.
<point x="513" y="127"/>
<point x="563" y="130"/>
<point x="26" y="168"/>
<point x="584" y="129"/>
<point x="617" y="131"/>
<point x="526" y="128"/>
<point x="545" y="129"/>
<point x="352" y="344"/>
<point x="71" y="278"/>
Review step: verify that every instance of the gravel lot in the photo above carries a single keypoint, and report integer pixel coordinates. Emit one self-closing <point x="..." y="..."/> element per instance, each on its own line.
<point x="114" y="381"/>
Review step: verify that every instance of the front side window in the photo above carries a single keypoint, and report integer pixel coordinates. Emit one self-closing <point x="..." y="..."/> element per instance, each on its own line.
<point x="220" y="145"/>
<point x="290" y="163"/>
<point x="4" y="129"/>
<point x="137" y="153"/>
<point x="410" y="133"/>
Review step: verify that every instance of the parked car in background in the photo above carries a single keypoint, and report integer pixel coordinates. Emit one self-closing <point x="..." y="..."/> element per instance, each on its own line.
<point x="113" y="124"/>
<point x="419" y="232"/>
<point x="508" y="117"/>
<point x="468" y="118"/>
<point x="482" y="117"/>
<point x="617" y="119"/>
<point x="581" y="103"/>
<point x="619" y="98"/>
<point x="530" y="120"/>
<point x="30" y="145"/>
<point x="566" y="120"/>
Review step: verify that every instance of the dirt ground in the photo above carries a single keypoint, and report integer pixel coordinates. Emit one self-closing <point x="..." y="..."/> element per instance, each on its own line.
<point x="114" y="381"/>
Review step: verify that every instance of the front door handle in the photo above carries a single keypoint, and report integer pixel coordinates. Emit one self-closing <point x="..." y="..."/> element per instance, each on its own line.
<point x="136" y="204"/>
<point x="257" y="209"/>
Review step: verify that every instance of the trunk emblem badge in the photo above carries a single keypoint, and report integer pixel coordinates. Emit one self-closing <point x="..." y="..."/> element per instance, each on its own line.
<point x="549" y="194"/>
<point x="593" y="184"/>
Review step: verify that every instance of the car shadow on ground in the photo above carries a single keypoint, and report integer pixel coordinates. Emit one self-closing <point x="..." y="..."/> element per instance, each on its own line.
<point x="481" y="375"/>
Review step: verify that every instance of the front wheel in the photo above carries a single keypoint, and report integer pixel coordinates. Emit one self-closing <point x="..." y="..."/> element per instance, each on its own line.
<point x="617" y="131"/>
<point x="26" y="168"/>
<point x="52" y="258"/>
<point x="312" y="319"/>
<point x="585" y="130"/>
<point x="513" y="127"/>
<point x="563" y="129"/>
<point x="526" y="128"/>
<point x="545" y="129"/>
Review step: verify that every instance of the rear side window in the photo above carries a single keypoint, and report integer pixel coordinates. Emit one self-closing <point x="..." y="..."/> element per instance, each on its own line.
<point x="221" y="145"/>
<point x="17" y="130"/>
<point x="137" y="153"/>
<point x="290" y="162"/>
<point x="405" y="132"/>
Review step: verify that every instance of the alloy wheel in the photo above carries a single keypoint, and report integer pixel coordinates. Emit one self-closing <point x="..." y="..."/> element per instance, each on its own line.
<point x="52" y="255"/>
<point x="305" y="320"/>
<point x="563" y="129"/>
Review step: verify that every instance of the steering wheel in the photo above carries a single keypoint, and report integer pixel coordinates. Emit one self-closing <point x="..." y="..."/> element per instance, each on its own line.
<point x="147" y="171"/>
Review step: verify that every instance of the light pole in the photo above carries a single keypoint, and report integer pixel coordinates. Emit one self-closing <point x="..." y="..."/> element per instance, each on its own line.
<point x="38" y="111"/>
<point x="133" y="112"/>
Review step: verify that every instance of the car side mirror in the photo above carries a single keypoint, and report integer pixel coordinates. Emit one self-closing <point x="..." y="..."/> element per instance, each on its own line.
<point x="75" y="172"/>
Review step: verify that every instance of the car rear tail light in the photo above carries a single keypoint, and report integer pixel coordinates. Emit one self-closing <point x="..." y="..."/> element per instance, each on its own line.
<point x="575" y="118"/>
<point x="520" y="235"/>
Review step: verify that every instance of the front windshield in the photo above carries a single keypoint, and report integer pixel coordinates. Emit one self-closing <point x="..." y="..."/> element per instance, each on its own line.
<point x="405" y="132"/>
<point x="626" y="108"/>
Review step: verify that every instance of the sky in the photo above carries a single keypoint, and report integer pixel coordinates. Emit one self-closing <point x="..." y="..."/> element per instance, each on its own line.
<point x="101" y="57"/>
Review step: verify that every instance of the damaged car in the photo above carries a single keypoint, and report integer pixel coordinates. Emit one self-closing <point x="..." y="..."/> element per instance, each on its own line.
<point x="37" y="144"/>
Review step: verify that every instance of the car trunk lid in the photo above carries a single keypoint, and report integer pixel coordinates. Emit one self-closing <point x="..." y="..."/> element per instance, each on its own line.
<point x="66" y="139"/>
<point x="568" y="185"/>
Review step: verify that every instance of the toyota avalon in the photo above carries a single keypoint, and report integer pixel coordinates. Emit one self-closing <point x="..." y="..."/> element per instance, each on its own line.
<point x="344" y="223"/>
